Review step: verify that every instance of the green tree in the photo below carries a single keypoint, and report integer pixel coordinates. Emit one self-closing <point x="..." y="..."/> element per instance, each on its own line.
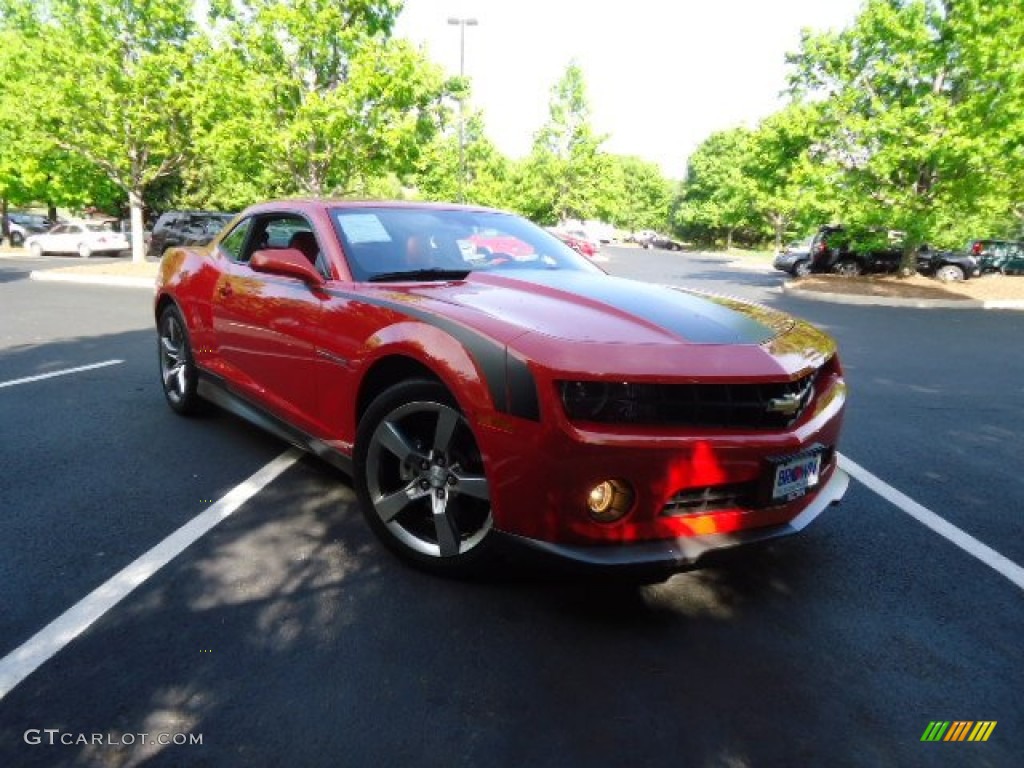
<point x="309" y="97"/>
<point x="561" y="177"/>
<point x="791" y="188"/>
<point x="918" y="99"/>
<point x="718" y="194"/>
<point x="487" y="170"/>
<point x="635" y="194"/>
<point x="106" y="85"/>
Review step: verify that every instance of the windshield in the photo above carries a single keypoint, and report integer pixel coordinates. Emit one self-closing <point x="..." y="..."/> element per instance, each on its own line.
<point x="432" y="243"/>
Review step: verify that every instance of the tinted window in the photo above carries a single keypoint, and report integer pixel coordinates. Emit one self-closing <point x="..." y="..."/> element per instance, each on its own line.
<point x="233" y="244"/>
<point x="385" y="241"/>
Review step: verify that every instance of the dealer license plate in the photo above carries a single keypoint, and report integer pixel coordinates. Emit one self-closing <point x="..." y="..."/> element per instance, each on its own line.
<point x="794" y="477"/>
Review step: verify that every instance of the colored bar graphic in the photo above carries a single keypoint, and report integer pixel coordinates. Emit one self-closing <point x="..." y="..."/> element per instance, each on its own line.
<point x="982" y="731"/>
<point x="958" y="730"/>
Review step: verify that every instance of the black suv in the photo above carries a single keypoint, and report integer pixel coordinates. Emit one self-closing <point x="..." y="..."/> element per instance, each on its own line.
<point x="834" y="249"/>
<point x="948" y="265"/>
<point x="186" y="228"/>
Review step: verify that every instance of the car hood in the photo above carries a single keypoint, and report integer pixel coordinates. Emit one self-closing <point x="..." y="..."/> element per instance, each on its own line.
<point x="590" y="307"/>
<point x="604" y="325"/>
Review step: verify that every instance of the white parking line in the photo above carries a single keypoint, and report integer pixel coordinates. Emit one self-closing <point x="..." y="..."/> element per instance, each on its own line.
<point x="946" y="530"/>
<point x="28" y="657"/>
<point x="54" y="374"/>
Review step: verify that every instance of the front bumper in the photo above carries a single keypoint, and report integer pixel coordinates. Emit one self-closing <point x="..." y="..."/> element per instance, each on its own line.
<point x="785" y="262"/>
<point x="666" y="556"/>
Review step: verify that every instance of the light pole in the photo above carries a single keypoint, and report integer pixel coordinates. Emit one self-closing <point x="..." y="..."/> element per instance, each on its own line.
<point x="462" y="23"/>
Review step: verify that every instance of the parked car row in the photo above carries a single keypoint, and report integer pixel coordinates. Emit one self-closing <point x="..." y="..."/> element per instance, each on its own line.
<point x="175" y="228"/>
<point x="82" y="237"/>
<point x="834" y="250"/>
<point x="111" y="236"/>
<point x="22" y="224"/>
<point x="648" y="238"/>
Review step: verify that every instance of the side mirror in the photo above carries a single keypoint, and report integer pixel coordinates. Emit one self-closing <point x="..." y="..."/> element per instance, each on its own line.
<point x="289" y="262"/>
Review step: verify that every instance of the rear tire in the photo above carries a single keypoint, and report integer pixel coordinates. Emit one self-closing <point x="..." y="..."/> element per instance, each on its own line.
<point x="37" y="250"/>
<point x="802" y="268"/>
<point x="84" y="251"/>
<point x="420" y="479"/>
<point x="178" y="374"/>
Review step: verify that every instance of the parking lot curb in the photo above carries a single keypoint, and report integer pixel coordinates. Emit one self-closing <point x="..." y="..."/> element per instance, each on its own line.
<point x="889" y="301"/>
<point x="56" y="276"/>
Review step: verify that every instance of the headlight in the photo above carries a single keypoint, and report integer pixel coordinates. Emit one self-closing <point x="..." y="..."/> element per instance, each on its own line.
<point x="599" y="400"/>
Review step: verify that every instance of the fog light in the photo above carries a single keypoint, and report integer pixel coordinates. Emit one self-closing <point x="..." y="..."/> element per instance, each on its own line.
<point x="609" y="500"/>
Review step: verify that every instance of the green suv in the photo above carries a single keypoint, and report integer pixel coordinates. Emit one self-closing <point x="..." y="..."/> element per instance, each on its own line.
<point x="1005" y="256"/>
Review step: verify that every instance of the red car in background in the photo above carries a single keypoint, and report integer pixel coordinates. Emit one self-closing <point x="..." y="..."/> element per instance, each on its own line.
<point x="482" y="402"/>
<point x="578" y="242"/>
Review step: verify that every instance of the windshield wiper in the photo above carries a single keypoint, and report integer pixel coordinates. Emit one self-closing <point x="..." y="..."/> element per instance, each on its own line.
<point x="420" y="274"/>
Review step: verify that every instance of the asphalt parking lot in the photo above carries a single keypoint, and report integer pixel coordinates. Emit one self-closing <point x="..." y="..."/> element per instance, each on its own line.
<point x="286" y="636"/>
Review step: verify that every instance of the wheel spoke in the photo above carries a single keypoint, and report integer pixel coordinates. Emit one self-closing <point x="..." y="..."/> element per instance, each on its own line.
<point x="391" y="504"/>
<point x="170" y="347"/>
<point x="444" y="525"/>
<point x="472" y="485"/>
<point x="447" y="420"/>
<point x="391" y="438"/>
<point x="181" y="379"/>
<point x="172" y="373"/>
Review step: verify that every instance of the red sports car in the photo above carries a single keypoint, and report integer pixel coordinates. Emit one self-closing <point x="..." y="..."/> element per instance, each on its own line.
<point x="480" y="401"/>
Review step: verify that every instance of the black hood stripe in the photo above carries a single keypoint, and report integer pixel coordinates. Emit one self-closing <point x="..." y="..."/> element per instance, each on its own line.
<point x="686" y="316"/>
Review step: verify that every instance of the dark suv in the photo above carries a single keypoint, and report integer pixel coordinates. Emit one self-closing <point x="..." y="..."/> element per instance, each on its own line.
<point x="186" y="228"/>
<point x="834" y="249"/>
<point x="947" y="265"/>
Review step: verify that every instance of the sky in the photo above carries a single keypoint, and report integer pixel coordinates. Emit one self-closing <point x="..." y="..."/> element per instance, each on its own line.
<point x="661" y="75"/>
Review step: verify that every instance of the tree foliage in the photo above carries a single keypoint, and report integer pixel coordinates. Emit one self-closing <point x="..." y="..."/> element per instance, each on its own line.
<point x="310" y="97"/>
<point x="104" y="85"/>
<point x="562" y="176"/>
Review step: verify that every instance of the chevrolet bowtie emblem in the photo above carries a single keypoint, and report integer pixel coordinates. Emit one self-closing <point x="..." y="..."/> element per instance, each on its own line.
<point x="786" y="405"/>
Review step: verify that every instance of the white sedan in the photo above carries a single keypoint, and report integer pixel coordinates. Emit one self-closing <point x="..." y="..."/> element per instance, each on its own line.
<point x="82" y="237"/>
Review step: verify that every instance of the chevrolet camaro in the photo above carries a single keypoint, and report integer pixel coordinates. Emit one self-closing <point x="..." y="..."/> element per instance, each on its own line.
<point x="487" y="400"/>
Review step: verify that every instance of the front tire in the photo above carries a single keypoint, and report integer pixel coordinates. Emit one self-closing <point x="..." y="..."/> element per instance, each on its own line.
<point x="949" y="273"/>
<point x="17" y="239"/>
<point x="84" y="251"/>
<point x="802" y="268"/>
<point x="420" y="479"/>
<point x="178" y="374"/>
<point x="37" y="250"/>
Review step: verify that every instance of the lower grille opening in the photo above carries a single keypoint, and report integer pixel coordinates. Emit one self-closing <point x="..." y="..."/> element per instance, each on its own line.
<point x="698" y="501"/>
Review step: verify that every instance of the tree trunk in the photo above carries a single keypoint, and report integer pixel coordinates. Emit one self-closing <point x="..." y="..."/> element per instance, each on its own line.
<point x="728" y="239"/>
<point x="138" y="230"/>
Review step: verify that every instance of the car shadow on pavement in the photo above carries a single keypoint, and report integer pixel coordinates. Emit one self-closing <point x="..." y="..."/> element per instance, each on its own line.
<point x="287" y="634"/>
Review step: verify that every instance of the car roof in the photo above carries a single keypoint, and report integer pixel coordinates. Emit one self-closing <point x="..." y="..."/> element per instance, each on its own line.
<point x="310" y="204"/>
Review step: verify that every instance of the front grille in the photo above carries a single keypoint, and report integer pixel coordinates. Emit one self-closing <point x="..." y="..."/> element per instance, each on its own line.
<point x="765" y="406"/>
<point x="697" y="501"/>
<point x="748" y="496"/>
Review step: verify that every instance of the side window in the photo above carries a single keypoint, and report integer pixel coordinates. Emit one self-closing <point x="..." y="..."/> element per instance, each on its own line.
<point x="288" y="231"/>
<point x="233" y="244"/>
